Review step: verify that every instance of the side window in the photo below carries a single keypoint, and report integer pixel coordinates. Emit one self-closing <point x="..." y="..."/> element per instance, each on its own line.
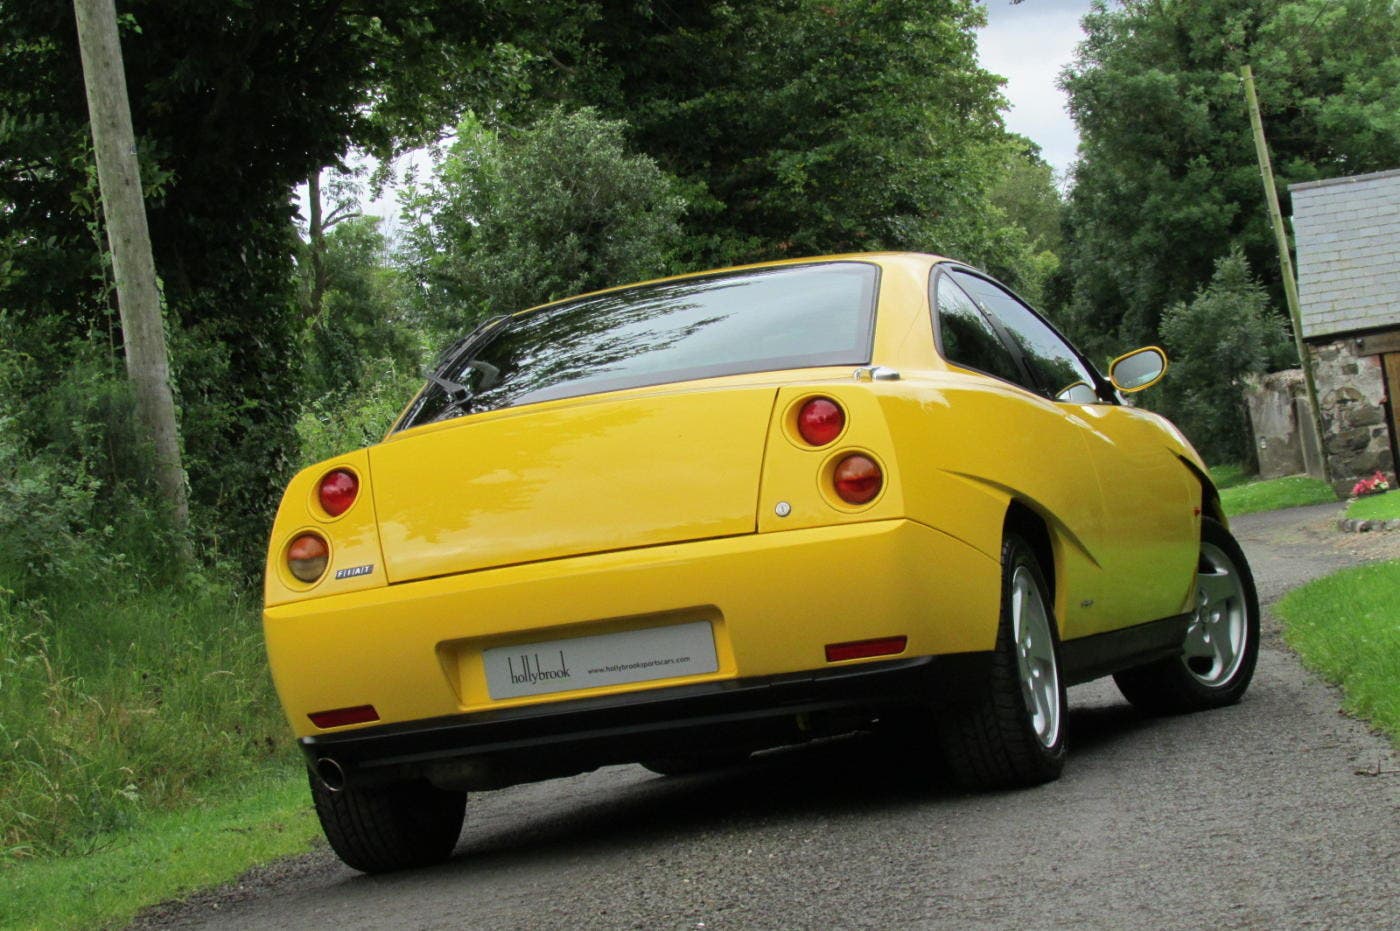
<point x="968" y="339"/>
<point x="1055" y="365"/>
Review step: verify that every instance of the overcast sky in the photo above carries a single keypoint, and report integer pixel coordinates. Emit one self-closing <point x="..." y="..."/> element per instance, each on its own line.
<point x="1028" y="43"/>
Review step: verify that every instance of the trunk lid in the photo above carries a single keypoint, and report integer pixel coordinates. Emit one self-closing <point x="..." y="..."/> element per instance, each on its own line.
<point x="567" y="478"/>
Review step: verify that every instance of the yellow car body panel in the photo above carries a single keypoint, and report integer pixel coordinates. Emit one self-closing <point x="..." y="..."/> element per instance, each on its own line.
<point x="676" y="503"/>
<point x="414" y="650"/>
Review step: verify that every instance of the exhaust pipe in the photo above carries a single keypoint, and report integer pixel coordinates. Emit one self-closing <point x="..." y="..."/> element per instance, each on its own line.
<point x="330" y="773"/>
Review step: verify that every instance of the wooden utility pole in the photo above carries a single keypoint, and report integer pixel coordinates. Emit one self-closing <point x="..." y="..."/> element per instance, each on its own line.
<point x="1290" y="284"/>
<point x="119" y="177"/>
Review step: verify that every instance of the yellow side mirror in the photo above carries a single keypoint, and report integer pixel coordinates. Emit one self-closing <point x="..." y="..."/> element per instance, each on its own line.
<point x="1139" y="369"/>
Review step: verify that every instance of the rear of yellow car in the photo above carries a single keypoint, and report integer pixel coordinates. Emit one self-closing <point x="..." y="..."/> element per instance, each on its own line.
<point x="686" y="533"/>
<point x="678" y="522"/>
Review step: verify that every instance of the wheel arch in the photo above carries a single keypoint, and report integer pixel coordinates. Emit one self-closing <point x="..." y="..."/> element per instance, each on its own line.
<point x="1022" y="520"/>
<point x="1210" y="497"/>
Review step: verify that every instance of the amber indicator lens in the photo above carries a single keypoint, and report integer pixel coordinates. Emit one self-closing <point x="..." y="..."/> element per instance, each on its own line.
<point x="337" y="492"/>
<point x="307" y="556"/>
<point x="340" y="717"/>
<point x="820" y="421"/>
<point x="860" y="649"/>
<point x="858" y="479"/>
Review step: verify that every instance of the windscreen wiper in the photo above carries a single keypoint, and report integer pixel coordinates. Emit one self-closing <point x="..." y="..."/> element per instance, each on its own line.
<point x="454" y="352"/>
<point x="459" y="396"/>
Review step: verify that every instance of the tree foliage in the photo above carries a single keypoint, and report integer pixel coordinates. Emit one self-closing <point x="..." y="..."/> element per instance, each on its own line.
<point x="520" y="217"/>
<point x="1224" y="334"/>
<point x="1167" y="181"/>
<point x="803" y="127"/>
<point x="233" y="105"/>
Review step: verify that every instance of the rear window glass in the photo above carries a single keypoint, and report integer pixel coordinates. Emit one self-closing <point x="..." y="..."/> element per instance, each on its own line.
<point x="781" y="318"/>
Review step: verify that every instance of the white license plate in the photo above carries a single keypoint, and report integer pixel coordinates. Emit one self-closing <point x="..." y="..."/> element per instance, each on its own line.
<point x="604" y="659"/>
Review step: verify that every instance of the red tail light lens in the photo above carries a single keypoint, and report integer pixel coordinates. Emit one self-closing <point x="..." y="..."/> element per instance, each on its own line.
<point x="861" y="649"/>
<point x="820" y="421"/>
<point x="340" y="717"/>
<point x="307" y="557"/>
<point x="337" y="492"/>
<point x="858" y="479"/>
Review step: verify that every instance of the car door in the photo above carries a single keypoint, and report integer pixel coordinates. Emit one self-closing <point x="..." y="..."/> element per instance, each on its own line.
<point x="1149" y="500"/>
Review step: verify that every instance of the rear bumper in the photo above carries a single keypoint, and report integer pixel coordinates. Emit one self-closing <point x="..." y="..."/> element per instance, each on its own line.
<point x="496" y="748"/>
<point x="774" y="600"/>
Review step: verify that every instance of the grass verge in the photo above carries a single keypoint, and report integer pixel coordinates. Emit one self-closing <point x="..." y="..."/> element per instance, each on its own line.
<point x="1346" y="627"/>
<point x="1376" y="507"/>
<point x="163" y="855"/>
<point x="1270" y="494"/>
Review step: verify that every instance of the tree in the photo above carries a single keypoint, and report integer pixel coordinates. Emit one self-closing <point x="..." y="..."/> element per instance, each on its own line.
<point x="1224" y="334"/>
<point x="232" y="105"/>
<point x="1166" y="182"/>
<point x="143" y="327"/>
<point x="365" y="323"/>
<point x="520" y="217"/>
<point x="1030" y="212"/>
<point x="801" y="127"/>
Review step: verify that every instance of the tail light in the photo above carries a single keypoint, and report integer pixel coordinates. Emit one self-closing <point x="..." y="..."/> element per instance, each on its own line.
<point x="337" y="491"/>
<point x="307" y="557"/>
<point x="858" y="479"/>
<point x="820" y="420"/>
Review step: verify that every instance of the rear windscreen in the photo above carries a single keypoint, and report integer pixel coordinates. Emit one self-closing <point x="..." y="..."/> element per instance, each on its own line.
<point x="778" y="318"/>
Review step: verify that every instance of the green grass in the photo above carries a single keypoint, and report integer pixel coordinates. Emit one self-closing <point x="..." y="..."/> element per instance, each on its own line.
<point x="1346" y="627"/>
<point x="115" y="704"/>
<point x="1228" y="476"/>
<point x="1376" y="507"/>
<point x="1238" y="495"/>
<point x="163" y="855"/>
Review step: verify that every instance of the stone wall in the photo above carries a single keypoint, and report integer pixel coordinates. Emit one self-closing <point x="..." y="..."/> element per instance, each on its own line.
<point x="1351" y="391"/>
<point x="1272" y="416"/>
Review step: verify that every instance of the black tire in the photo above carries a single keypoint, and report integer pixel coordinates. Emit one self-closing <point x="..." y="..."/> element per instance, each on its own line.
<point x="377" y="829"/>
<point x="1200" y="679"/>
<point x="694" y="763"/>
<point x="998" y="740"/>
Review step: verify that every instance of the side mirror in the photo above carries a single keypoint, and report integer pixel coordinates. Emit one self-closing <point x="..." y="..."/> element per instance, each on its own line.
<point x="1139" y="369"/>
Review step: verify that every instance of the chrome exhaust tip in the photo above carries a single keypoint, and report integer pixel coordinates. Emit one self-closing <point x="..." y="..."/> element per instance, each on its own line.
<point x="330" y="773"/>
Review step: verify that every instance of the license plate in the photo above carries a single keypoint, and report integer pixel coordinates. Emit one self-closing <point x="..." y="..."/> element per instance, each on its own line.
<point x="604" y="659"/>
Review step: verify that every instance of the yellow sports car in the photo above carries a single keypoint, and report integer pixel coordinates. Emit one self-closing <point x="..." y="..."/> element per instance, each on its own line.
<point x="678" y="522"/>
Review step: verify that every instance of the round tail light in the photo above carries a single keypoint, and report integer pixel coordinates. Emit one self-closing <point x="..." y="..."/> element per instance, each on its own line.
<point x="337" y="492"/>
<point x="820" y="421"/>
<point x="307" y="557"/>
<point x="858" y="479"/>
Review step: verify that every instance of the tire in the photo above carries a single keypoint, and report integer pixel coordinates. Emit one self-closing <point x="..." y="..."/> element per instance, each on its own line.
<point x="1012" y="734"/>
<point x="1222" y="638"/>
<point x="694" y="763"/>
<point x="377" y="829"/>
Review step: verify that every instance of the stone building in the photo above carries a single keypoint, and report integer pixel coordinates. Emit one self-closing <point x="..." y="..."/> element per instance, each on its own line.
<point x="1347" y="235"/>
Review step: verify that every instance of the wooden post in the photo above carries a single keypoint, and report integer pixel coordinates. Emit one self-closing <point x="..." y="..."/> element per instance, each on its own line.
<point x="119" y="177"/>
<point x="1290" y="284"/>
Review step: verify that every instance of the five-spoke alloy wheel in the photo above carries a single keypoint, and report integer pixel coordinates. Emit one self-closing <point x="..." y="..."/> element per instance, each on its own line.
<point x="1222" y="637"/>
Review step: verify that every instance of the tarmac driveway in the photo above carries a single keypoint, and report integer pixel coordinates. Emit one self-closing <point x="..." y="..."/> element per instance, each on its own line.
<point x="1276" y="813"/>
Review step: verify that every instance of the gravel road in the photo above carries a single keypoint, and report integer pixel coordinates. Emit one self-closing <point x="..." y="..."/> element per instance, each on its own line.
<point x="1276" y="813"/>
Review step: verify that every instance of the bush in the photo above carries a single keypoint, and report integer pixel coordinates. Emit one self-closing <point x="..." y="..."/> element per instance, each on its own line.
<point x="1224" y="334"/>
<point x="526" y="217"/>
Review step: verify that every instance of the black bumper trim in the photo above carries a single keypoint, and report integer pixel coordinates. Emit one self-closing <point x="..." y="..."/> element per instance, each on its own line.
<point x="538" y="741"/>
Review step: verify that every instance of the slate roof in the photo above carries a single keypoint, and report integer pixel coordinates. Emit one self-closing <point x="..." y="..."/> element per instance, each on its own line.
<point x="1347" y="238"/>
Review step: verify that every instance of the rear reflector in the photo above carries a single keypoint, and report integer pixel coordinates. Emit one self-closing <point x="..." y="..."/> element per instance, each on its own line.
<point x="860" y="649"/>
<point x="340" y="717"/>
